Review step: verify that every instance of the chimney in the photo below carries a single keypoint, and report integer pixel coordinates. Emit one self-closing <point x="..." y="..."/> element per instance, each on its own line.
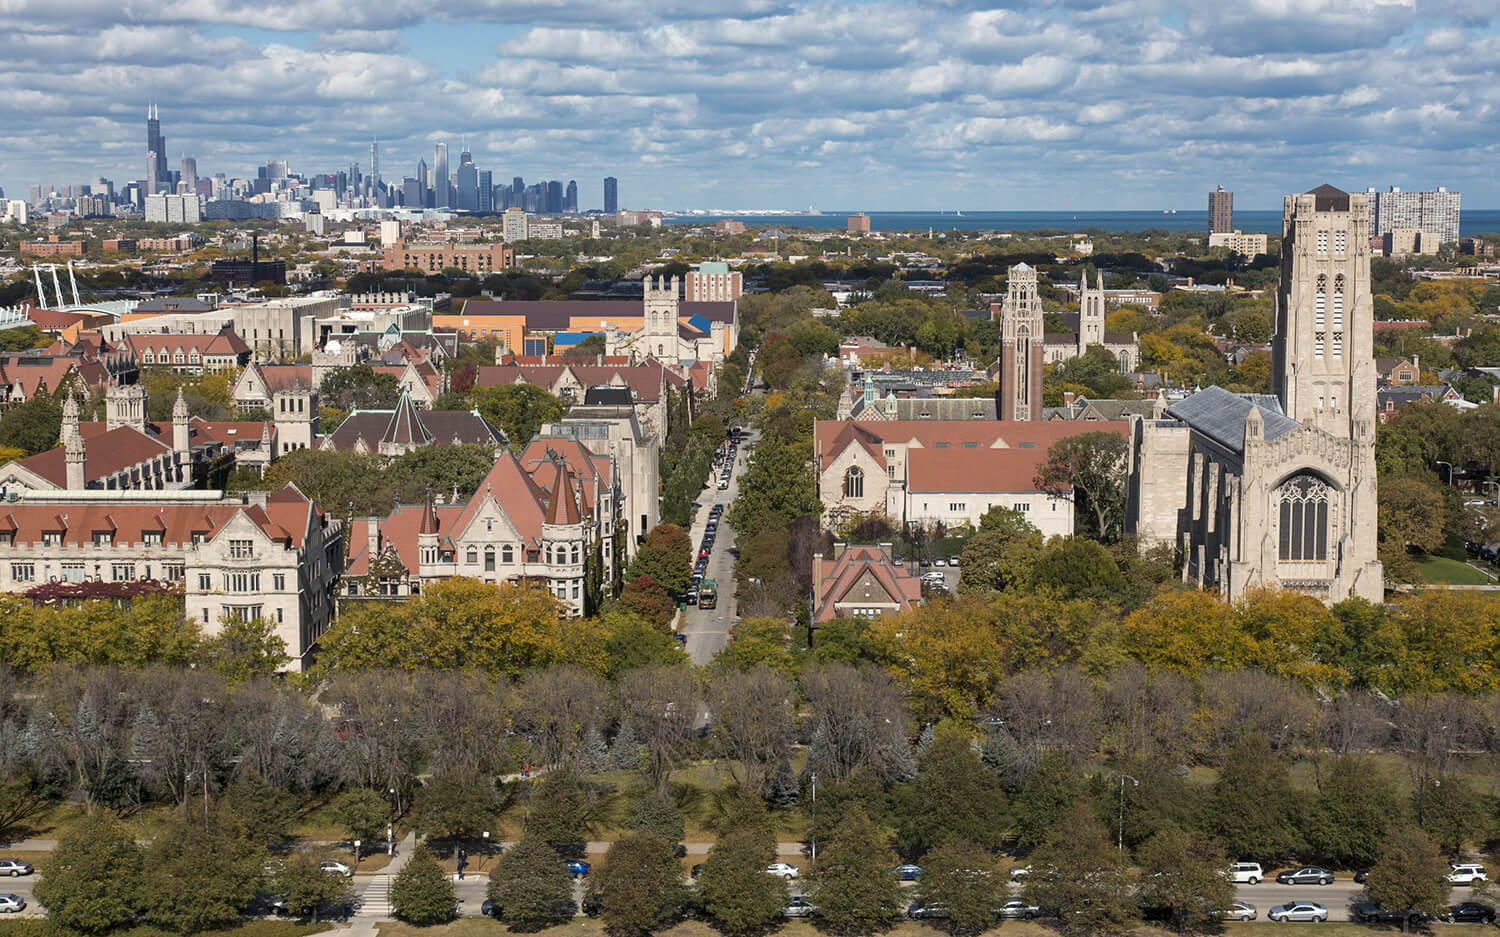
<point x="1416" y="362"/>
<point x="374" y="531"/>
<point x="817" y="577"/>
<point x="1068" y="397"/>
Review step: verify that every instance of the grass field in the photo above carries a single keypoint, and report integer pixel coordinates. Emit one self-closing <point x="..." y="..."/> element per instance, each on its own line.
<point x="591" y="927"/>
<point x="1449" y="570"/>
<point x="41" y="927"/>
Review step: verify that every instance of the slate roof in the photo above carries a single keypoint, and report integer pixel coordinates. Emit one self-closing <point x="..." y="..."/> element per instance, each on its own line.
<point x="407" y="425"/>
<point x="557" y="315"/>
<point x="852" y="566"/>
<point x="1329" y="198"/>
<point x="1220" y="415"/>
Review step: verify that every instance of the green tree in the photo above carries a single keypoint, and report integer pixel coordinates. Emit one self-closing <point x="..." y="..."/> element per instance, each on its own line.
<point x="519" y="409"/>
<point x="306" y="888"/>
<point x="1348" y="818"/>
<point x="658" y="815"/>
<point x="244" y="649"/>
<point x="560" y="812"/>
<point x="953" y="797"/>
<point x="963" y="879"/>
<point x="344" y="483"/>
<point x="734" y="889"/>
<point x="1452" y="812"/>
<point x="1090" y="470"/>
<point x="631" y="643"/>
<point x="455" y="806"/>
<point x="665" y="556"/>
<point x="33" y="426"/>
<point x="422" y="893"/>
<point x="93" y="881"/>
<point x="362" y="814"/>
<point x="854" y="890"/>
<point x="531" y="886"/>
<point x="1252" y="802"/>
<point x="196" y="878"/>
<point x="258" y="811"/>
<point x="638" y="885"/>
<point x="1050" y="789"/>
<point x="1183" y="874"/>
<point x="1076" y="567"/>
<point x="645" y="599"/>
<point x="359" y="388"/>
<point x="1079" y="871"/>
<point x="1002" y="554"/>
<point x="1409" y="874"/>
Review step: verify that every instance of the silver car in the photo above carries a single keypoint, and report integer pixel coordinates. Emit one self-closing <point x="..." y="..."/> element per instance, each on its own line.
<point x="1238" y="911"/>
<point x="1298" y="911"/>
<point x="12" y="903"/>
<point x="1017" y="909"/>
<point x="799" y="907"/>
<point x="15" y="867"/>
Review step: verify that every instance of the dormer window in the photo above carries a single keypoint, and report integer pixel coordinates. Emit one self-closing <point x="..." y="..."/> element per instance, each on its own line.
<point x="103" y="538"/>
<point x="151" y="538"/>
<point x="52" y="538"/>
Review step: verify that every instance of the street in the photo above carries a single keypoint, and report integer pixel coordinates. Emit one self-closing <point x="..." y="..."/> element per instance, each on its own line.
<point x="707" y="630"/>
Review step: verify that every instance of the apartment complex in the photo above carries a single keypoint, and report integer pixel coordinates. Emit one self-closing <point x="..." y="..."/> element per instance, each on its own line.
<point x="1247" y="245"/>
<point x="483" y="258"/>
<point x="1437" y="212"/>
<point x="1220" y="212"/>
<point x="713" y="282"/>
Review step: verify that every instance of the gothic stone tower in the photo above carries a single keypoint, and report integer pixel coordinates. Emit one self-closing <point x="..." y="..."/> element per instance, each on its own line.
<point x="1022" y="345"/>
<point x="1090" y="313"/>
<point x="660" y="308"/>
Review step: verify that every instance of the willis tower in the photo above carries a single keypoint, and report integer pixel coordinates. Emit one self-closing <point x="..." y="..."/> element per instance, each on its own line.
<point x="156" y="153"/>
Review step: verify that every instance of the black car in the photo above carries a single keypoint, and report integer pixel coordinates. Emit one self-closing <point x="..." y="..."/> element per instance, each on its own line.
<point x="1371" y="913"/>
<point x="1362" y="876"/>
<point x="696" y="870"/>
<point x="490" y="909"/>
<point x="1471" y="912"/>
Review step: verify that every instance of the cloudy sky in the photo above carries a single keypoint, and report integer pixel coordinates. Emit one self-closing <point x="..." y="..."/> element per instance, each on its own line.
<point x="1069" y="104"/>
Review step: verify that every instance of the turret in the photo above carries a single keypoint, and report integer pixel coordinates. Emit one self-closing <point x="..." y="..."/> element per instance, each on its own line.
<point x="180" y="434"/>
<point x="76" y="476"/>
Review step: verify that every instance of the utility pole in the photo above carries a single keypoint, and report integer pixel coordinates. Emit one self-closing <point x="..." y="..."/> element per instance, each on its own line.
<point x="814" y="831"/>
<point x="1120" y="835"/>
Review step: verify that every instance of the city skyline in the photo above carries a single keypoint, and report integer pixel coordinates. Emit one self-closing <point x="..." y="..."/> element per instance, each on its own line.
<point x="891" y="106"/>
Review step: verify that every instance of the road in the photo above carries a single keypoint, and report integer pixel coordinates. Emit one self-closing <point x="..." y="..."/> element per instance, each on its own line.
<point x="707" y="630"/>
<point x="24" y="886"/>
<point x="1336" y="897"/>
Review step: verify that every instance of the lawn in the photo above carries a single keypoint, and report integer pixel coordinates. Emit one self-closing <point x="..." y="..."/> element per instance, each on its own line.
<point x="1449" y="570"/>
<point x="41" y="927"/>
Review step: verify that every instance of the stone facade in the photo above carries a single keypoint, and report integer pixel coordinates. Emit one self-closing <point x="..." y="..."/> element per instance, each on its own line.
<point x="1279" y="491"/>
<point x="1022" y="339"/>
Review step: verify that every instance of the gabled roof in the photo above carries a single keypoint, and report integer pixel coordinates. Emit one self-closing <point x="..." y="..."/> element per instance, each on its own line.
<point x="1329" y="198"/>
<point x="285" y="519"/>
<point x="405" y="426"/>
<point x="411" y="426"/>
<point x="1220" y="415"/>
<point x="853" y="565"/>
<point x="105" y="454"/>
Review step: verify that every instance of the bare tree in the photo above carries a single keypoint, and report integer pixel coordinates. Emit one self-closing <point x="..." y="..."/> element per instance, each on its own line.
<point x="1431" y="730"/>
<point x="555" y="708"/>
<point x="1354" y="722"/>
<point x="660" y="704"/>
<point x="178" y="731"/>
<point x="1149" y="712"/>
<point x="81" y="726"/>
<point x="1058" y="709"/>
<point x="752" y="715"/>
<point x="859" y="720"/>
<point x="1235" y="700"/>
<point x="462" y="720"/>
<point x="383" y="746"/>
<point x="282" y="736"/>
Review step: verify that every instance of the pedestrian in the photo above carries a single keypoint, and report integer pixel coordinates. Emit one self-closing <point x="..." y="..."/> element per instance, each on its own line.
<point x="463" y="862"/>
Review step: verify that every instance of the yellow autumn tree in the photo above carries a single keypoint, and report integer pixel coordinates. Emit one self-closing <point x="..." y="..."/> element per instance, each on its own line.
<point x="1188" y="631"/>
<point x="948" y="655"/>
<point x="1293" y="636"/>
<point x="1451" y="640"/>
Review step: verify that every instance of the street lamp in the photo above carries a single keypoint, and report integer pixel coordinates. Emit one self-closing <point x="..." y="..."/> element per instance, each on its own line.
<point x="814" y="830"/>
<point x="1450" y="468"/>
<point x="1120" y="836"/>
<point x="356" y="854"/>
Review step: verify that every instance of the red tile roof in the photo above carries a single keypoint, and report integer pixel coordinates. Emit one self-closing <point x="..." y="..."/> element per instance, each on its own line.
<point x="105" y="453"/>
<point x="217" y="344"/>
<point x="285" y="518"/>
<point x="853" y="564"/>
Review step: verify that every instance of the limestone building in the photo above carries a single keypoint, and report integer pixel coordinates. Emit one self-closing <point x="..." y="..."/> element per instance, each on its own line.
<point x="1279" y="490"/>
<point x="1022" y="342"/>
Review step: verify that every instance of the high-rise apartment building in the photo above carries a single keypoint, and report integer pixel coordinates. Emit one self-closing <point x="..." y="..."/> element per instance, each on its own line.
<point x="611" y="195"/>
<point x="1434" y="212"/>
<point x="1220" y="211"/>
<point x="513" y="225"/>
<point x="442" y="196"/>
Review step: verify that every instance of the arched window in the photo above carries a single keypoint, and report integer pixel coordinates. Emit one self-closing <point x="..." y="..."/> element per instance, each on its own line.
<point x="1304" y="503"/>
<point x="489" y="559"/>
<point x="549" y="554"/>
<point x="1338" y="302"/>
<point x="1023" y="372"/>
<point x="473" y="556"/>
<point x="1124" y="361"/>
<point x="854" y="482"/>
<point x="577" y="554"/>
<point x="1320" y="311"/>
<point x="507" y="555"/>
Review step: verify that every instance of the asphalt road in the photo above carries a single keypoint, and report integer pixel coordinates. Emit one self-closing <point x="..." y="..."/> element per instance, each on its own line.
<point x="707" y="630"/>
<point x="23" y="885"/>
<point x="1337" y="898"/>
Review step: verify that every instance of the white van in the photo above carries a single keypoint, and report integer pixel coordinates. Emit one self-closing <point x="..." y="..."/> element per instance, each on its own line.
<point x="1245" y="873"/>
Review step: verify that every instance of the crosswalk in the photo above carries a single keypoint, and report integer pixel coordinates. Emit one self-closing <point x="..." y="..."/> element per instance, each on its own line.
<point x="375" y="901"/>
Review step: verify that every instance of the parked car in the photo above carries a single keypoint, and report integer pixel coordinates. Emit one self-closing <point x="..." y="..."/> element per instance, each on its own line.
<point x="14" y="867"/>
<point x="1470" y="912"/>
<point x="1019" y="872"/>
<point x="696" y="870"/>
<point x="1307" y="875"/>
<point x="1246" y="873"/>
<point x="926" y="910"/>
<point x="907" y="872"/>
<point x="577" y="868"/>
<point x="1298" y="911"/>
<point x="940" y="561"/>
<point x="1466" y="873"/>
<point x="1018" y="909"/>
<point x="1238" y="911"/>
<point x="12" y="903"/>
<point x="953" y="561"/>
<point x="1361" y="876"/>
<point x="489" y="909"/>
<point x="782" y="869"/>
<point x="799" y="907"/>
<point x="335" y="866"/>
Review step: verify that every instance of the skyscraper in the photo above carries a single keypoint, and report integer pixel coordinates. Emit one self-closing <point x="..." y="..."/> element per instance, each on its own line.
<point x="189" y="175"/>
<point x="517" y="190"/>
<point x="611" y="195"/>
<point x="156" y="152"/>
<point x="554" y="196"/>
<point x="442" y="196"/>
<point x="1220" y="211"/>
<point x="486" y="191"/>
<point x="1435" y="212"/>
<point x="375" y="168"/>
<point x="570" y="197"/>
<point x="468" y="182"/>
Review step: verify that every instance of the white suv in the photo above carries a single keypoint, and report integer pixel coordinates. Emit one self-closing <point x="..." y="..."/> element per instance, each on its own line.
<point x="1245" y="873"/>
<point x="1466" y="873"/>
